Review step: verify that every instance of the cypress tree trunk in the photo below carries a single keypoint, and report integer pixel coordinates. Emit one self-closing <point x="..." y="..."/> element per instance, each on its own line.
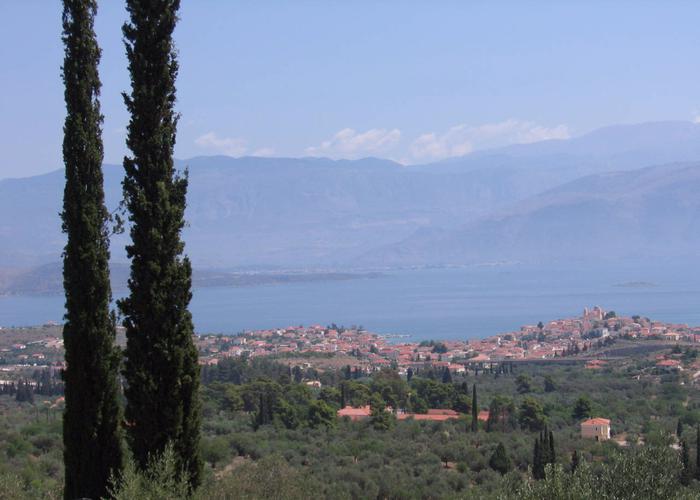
<point x="91" y="437"/>
<point x="161" y="367"/>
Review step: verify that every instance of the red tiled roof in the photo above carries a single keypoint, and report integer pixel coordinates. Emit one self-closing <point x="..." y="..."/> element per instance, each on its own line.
<point x="669" y="362"/>
<point x="596" y="421"/>
<point x="349" y="411"/>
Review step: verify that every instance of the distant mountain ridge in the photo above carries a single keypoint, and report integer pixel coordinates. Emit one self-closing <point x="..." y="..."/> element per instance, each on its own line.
<point x="647" y="213"/>
<point x="301" y="213"/>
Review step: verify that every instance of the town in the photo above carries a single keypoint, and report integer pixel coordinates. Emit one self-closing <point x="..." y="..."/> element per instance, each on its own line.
<point x="585" y="337"/>
<point x="364" y="351"/>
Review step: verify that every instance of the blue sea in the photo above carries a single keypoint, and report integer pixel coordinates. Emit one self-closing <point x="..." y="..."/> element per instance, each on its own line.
<point x="429" y="304"/>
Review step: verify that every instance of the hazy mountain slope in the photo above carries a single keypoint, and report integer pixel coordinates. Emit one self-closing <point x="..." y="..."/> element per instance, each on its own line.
<point x="316" y="212"/>
<point x="647" y="213"/>
<point x="258" y="211"/>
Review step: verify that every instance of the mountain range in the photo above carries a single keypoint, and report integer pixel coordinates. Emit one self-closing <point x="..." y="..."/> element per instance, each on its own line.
<point x="618" y="192"/>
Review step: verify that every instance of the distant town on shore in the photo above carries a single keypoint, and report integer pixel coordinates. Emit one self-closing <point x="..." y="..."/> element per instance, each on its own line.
<point x="595" y="334"/>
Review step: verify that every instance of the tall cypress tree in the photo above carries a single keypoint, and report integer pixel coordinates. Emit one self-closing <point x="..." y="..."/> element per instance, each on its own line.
<point x="91" y="436"/>
<point x="161" y="367"/>
<point x="537" y="463"/>
<point x="475" y="411"/>
<point x="544" y="446"/>
<point x="552" y="453"/>
<point x="574" y="461"/>
<point x="686" y="472"/>
<point x="697" y="453"/>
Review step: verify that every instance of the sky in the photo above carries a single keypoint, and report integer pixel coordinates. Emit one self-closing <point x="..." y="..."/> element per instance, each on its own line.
<point x="412" y="81"/>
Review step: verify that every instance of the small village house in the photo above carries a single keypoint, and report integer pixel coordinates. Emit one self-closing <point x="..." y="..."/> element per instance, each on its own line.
<point x="355" y="413"/>
<point x="596" y="428"/>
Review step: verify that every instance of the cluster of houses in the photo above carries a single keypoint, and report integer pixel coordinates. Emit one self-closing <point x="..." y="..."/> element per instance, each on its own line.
<point x="367" y="351"/>
<point x="18" y="356"/>
<point x="370" y="351"/>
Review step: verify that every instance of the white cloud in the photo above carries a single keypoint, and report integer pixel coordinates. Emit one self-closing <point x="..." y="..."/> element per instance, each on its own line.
<point x="347" y="143"/>
<point x="263" y="152"/>
<point x="231" y="146"/>
<point x="462" y="139"/>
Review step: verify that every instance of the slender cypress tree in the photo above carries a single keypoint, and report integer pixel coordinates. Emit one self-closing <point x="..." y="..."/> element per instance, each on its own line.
<point x="544" y="446"/>
<point x="537" y="464"/>
<point x="91" y="436"/>
<point x="686" y="472"/>
<point x="552" y="453"/>
<point x="574" y="461"/>
<point x="475" y="411"/>
<point x="697" y="453"/>
<point x="161" y="367"/>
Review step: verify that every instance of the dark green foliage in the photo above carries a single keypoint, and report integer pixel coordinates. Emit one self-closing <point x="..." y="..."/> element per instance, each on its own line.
<point x="412" y="458"/>
<point x="697" y="453"/>
<point x="419" y="405"/>
<point x="499" y="461"/>
<point x="686" y="471"/>
<point x="321" y="414"/>
<point x="574" y="461"/>
<point x="501" y="414"/>
<point x="161" y="478"/>
<point x="531" y="415"/>
<point x="549" y="385"/>
<point x="264" y="414"/>
<point x="543" y="453"/>
<point x="242" y="370"/>
<point x="582" y="408"/>
<point x="648" y="472"/>
<point x="462" y="404"/>
<point x="679" y="429"/>
<point x="475" y="411"/>
<point x="270" y="478"/>
<point x="356" y="393"/>
<point x="447" y="376"/>
<point x="523" y="383"/>
<point x="439" y="348"/>
<point x="381" y="418"/>
<point x="552" y="453"/>
<point x="24" y="392"/>
<point x="161" y="367"/>
<point x="392" y="388"/>
<point x="537" y="463"/>
<point x="92" y="446"/>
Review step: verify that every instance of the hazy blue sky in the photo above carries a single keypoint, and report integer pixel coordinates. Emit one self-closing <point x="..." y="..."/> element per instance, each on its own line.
<point x="413" y="81"/>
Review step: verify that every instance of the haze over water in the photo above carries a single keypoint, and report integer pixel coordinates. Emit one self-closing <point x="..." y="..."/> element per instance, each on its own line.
<point x="435" y="303"/>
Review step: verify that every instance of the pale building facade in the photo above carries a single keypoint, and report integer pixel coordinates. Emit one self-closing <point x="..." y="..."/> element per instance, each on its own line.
<point x="596" y="428"/>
